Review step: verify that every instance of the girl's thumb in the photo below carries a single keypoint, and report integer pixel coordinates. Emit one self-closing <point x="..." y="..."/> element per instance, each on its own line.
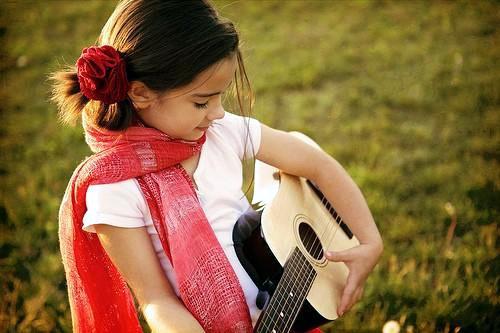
<point x="337" y="256"/>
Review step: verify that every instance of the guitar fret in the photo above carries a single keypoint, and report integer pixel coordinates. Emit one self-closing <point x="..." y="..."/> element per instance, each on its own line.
<point x="296" y="304"/>
<point x="311" y="275"/>
<point x="269" y="314"/>
<point x="289" y="295"/>
<point x="281" y="323"/>
<point x="295" y="308"/>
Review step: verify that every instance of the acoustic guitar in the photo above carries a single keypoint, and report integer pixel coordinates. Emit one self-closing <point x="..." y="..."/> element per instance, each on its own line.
<point x="281" y="248"/>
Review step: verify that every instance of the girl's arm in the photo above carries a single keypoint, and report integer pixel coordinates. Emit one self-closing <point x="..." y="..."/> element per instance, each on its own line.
<point x="131" y="251"/>
<point x="293" y="156"/>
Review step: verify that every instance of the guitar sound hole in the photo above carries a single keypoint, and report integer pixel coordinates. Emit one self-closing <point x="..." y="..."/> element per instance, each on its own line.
<point x="310" y="241"/>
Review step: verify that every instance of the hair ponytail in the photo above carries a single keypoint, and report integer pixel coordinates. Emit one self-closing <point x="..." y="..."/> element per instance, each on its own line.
<point x="117" y="116"/>
<point x="67" y="95"/>
<point x="71" y="103"/>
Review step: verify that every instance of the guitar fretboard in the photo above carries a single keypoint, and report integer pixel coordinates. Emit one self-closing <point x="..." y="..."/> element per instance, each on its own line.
<point x="284" y="306"/>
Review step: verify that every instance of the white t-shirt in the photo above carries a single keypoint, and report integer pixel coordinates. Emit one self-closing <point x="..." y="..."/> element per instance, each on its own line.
<point x="219" y="179"/>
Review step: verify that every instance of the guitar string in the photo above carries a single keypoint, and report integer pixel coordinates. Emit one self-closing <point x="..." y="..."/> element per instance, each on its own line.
<point x="293" y="270"/>
<point x="299" y="293"/>
<point x="302" y="294"/>
<point x="302" y="266"/>
<point x="292" y="294"/>
<point x="274" y="302"/>
<point x="286" y="286"/>
<point x="330" y="231"/>
<point x="268" y="314"/>
<point x="331" y="228"/>
<point x="300" y="299"/>
<point x="310" y="240"/>
<point x="336" y="225"/>
<point x="274" y="317"/>
<point x="310" y="279"/>
<point x="327" y="229"/>
<point x="268" y="319"/>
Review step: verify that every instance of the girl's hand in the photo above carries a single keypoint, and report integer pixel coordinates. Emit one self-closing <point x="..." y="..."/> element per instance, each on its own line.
<point x="360" y="260"/>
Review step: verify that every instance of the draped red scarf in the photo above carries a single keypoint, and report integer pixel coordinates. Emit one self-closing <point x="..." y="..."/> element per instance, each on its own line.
<point x="99" y="296"/>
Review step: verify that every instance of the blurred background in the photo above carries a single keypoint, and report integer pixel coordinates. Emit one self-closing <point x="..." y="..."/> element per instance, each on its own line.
<point x="404" y="94"/>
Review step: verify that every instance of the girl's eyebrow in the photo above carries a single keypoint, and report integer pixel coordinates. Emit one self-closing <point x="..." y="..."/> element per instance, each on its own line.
<point x="206" y="95"/>
<point x="210" y="94"/>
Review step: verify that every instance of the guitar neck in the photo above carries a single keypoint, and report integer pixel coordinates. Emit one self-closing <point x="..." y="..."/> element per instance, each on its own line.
<point x="286" y="302"/>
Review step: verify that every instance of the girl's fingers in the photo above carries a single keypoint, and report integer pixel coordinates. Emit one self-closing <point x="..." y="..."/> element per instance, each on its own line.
<point x="348" y="300"/>
<point x="346" y="255"/>
<point x="352" y="293"/>
<point x="359" y="262"/>
<point x="356" y="298"/>
<point x="360" y="294"/>
<point x="347" y="295"/>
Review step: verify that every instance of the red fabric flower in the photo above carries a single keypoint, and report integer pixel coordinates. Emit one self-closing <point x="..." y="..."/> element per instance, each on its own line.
<point x="102" y="74"/>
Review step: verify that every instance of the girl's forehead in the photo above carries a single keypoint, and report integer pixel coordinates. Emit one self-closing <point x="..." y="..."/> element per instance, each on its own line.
<point x="216" y="75"/>
<point x="214" y="79"/>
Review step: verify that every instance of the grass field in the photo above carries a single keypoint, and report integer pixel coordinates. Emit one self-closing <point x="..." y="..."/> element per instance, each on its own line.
<point x="405" y="95"/>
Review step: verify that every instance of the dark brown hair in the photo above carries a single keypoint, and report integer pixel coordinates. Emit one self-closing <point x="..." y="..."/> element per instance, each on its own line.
<point x="165" y="44"/>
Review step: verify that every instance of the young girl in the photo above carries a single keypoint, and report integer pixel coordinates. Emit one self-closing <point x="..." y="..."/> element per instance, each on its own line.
<point x="155" y="205"/>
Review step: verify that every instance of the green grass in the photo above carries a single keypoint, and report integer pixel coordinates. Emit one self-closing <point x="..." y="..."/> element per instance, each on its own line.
<point x="405" y="95"/>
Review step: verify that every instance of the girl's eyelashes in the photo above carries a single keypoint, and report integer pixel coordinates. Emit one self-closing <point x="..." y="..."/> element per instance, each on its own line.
<point x="201" y="106"/>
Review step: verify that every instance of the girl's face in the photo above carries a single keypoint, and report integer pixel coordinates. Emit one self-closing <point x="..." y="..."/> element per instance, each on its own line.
<point x="187" y="112"/>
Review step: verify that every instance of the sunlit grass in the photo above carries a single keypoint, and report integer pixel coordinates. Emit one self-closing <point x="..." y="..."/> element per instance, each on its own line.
<point x="404" y="94"/>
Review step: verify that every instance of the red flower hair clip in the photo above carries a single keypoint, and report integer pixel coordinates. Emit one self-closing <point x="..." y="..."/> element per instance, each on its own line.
<point x="102" y="74"/>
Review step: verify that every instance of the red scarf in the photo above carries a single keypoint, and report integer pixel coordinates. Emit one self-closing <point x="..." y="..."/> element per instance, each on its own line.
<point x="99" y="297"/>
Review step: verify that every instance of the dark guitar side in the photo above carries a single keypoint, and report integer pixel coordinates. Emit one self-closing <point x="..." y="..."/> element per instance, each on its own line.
<point x="264" y="269"/>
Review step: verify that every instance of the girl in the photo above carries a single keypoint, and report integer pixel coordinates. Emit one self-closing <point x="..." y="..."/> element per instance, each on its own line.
<point x="155" y="205"/>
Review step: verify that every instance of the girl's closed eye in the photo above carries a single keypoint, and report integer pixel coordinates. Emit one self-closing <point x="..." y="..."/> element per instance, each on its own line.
<point x="201" y="105"/>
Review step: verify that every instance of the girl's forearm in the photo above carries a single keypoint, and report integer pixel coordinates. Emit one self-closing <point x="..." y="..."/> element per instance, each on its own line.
<point x="168" y="317"/>
<point x="348" y="201"/>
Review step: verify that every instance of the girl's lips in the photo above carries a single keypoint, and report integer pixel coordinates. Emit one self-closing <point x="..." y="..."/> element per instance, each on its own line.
<point x="202" y="128"/>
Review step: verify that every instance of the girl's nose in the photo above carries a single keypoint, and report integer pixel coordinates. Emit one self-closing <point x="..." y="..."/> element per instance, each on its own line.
<point x="216" y="113"/>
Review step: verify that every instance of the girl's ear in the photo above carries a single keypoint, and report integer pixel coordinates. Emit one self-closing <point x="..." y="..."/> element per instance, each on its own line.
<point x="142" y="97"/>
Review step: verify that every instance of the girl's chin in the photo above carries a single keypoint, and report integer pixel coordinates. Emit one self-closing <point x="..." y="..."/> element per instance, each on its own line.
<point x="194" y="136"/>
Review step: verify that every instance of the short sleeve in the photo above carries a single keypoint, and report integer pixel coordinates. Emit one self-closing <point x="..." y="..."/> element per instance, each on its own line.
<point x="253" y="144"/>
<point x="119" y="204"/>
<point x="245" y="134"/>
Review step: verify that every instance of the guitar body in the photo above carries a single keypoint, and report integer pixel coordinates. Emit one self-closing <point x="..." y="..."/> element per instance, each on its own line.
<point x="282" y="251"/>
